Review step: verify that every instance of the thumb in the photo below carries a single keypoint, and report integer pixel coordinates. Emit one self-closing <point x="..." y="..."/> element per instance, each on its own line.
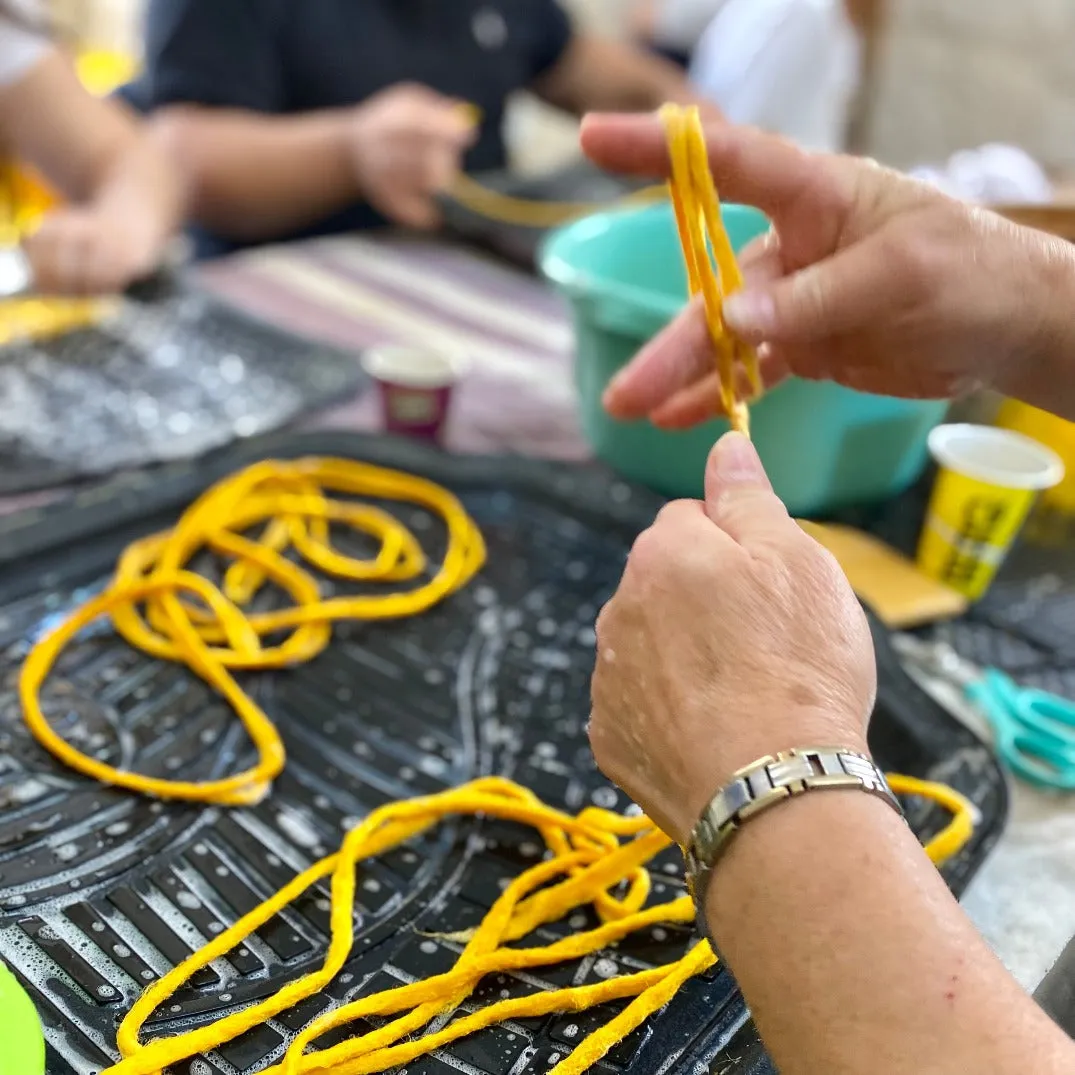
<point x="739" y="497"/>
<point x="837" y="295"/>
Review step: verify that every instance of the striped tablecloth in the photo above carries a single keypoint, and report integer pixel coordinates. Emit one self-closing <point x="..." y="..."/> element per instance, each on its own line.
<point x="356" y="292"/>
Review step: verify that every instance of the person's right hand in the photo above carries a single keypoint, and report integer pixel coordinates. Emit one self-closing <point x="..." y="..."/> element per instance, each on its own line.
<point x="407" y="144"/>
<point x="868" y="278"/>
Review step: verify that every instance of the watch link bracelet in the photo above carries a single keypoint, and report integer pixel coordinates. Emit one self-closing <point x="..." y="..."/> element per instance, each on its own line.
<point x="761" y="785"/>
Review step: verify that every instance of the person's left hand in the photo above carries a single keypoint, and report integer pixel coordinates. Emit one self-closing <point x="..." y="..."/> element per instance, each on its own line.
<point x="88" y="251"/>
<point x="733" y="635"/>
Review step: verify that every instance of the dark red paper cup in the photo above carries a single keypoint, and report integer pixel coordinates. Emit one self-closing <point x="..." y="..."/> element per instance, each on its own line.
<point x="416" y="385"/>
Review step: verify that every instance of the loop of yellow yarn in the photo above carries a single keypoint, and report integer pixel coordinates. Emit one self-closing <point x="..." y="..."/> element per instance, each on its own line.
<point x="215" y="636"/>
<point x="591" y="860"/>
<point x="712" y="270"/>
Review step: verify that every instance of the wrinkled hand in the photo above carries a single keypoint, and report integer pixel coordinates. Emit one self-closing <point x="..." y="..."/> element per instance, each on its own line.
<point x="868" y="278"/>
<point x="89" y="251"/>
<point x="733" y="635"/>
<point x="407" y="146"/>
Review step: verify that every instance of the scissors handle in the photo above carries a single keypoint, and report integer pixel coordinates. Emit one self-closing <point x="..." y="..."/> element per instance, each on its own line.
<point x="1035" y="730"/>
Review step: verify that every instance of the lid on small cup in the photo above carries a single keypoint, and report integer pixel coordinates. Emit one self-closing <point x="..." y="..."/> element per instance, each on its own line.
<point x="414" y="367"/>
<point x="996" y="456"/>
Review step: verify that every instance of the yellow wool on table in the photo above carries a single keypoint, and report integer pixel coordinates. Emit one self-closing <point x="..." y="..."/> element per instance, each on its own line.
<point x="712" y="270"/>
<point x="597" y="858"/>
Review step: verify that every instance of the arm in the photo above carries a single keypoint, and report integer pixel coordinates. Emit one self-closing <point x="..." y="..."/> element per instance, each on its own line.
<point x="597" y="74"/>
<point x="128" y="200"/>
<point x="732" y="636"/>
<point x="868" y="278"/>
<point x="261" y="177"/>
<point x="866" y="962"/>
<point x="257" y="176"/>
<point x="92" y="149"/>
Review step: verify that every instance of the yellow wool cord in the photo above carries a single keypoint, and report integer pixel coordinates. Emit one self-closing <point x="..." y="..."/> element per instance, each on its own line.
<point x="712" y="270"/>
<point x="597" y="859"/>
<point x="216" y="636"/>
<point x="527" y="213"/>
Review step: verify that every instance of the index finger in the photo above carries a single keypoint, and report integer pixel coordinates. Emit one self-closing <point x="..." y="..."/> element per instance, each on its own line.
<point x="748" y="165"/>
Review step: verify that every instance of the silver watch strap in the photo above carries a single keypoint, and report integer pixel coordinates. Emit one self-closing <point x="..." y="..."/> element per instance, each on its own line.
<point x="763" y="784"/>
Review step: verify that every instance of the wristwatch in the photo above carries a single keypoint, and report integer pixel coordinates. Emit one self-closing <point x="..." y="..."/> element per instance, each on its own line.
<point x="761" y="785"/>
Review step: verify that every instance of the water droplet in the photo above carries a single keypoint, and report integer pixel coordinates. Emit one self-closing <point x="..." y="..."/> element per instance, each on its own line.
<point x="187" y="899"/>
<point x="428" y="947"/>
<point x="606" y="968"/>
<point x="121" y="950"/>
<point x="224" y="998"/>
<point x="118" y="828"/>
<point x="105" y="991"/>
<point x="605" y="798"/>
<point x="97" y="927"/>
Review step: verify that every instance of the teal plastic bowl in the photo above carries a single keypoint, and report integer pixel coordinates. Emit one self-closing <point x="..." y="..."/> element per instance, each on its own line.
<point x="824" y="446"/>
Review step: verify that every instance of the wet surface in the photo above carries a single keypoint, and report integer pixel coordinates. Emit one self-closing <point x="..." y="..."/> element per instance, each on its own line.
<point x="172" y="374"/>
<point x="101" y="892"/>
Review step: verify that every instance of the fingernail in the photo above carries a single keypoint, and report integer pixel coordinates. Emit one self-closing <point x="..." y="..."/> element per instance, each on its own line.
<point x="750" y="313"/>
<point x="736" y="462"/>
<point x="612" y="390"/>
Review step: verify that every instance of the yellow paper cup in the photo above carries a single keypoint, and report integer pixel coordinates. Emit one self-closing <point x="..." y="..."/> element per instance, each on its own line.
<point x="988" y="481"/>
<point x="1054" y="433"/>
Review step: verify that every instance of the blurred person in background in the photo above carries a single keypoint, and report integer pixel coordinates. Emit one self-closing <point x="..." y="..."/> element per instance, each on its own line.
<point x="126" y="201"/>
<point x="296" y="119"/>
<point x="792" y="67"/>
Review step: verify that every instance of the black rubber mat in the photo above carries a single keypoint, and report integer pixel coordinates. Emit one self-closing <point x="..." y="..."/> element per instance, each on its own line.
<point x="101" y="892"/>
<point x="174" y="373"/>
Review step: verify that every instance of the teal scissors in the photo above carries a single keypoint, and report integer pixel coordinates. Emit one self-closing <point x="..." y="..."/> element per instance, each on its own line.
<point x="1033" y="730"/>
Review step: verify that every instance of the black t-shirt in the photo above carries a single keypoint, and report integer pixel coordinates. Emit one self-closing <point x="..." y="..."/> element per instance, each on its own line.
<point x="289" y="56"/>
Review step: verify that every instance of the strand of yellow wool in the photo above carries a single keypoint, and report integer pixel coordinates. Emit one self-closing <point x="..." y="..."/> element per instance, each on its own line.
<point x="712" y="270"/>
<point x="518" y="911"/>
<point x="216" y="636"/>
<point x="599" y="857"/>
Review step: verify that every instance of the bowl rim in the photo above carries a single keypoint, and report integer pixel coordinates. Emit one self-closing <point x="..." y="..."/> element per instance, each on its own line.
<point x="579" y="283"/>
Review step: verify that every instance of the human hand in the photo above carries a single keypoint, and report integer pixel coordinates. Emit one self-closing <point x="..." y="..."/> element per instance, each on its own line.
<point x="92" y="251"/>
<point x="407" y="144"/>
<point x="868" y="278"/>
<point x="733" y="635"/>
<point x="642" y="19"/>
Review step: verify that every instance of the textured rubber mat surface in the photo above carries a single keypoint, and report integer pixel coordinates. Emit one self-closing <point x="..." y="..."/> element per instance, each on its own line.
<point x="101" y="892"/>
<point x="173" y="373"/>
